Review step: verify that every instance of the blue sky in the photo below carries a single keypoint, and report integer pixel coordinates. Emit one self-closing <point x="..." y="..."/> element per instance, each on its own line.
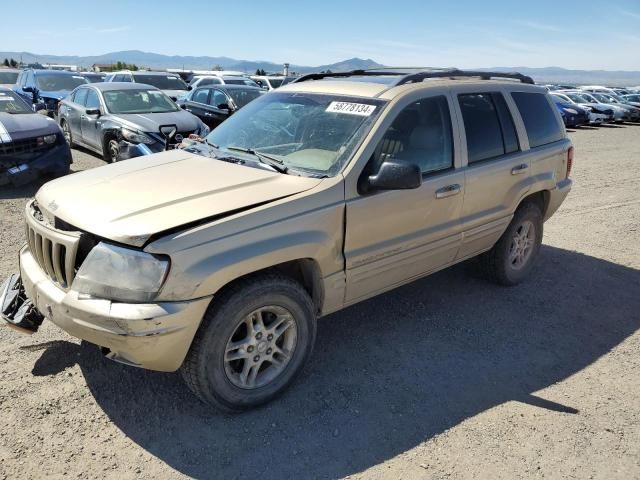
<point x="567" y="33"/>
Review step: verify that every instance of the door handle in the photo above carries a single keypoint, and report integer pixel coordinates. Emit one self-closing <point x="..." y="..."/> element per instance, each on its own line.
<point x="448" y="191"/>
<point x="519" y="169"/>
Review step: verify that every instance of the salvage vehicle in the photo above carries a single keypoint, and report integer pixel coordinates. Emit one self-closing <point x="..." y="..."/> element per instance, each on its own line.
<point x="632" y="99"/>
<point x="572" y="114"/>
<point x="8" y="76"/>
<point x="598" y="113"/>
<point x="218" y="259"/>
<point x="631" y="113"/>
<point x="213" y="105"/>
<point x="110" y="118"/>
<point x="31" y="144"/>
<point x="170" y="83"/>
<point x="45" y="88"/>
<point x="271" y="82"/>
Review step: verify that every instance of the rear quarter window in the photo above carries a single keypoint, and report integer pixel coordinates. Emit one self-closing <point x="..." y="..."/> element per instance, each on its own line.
<point x="539" y="118"/>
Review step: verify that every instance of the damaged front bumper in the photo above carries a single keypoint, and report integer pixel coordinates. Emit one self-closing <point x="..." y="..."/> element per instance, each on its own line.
<point x="156" y="336"/>
<point x="22" y="170"/>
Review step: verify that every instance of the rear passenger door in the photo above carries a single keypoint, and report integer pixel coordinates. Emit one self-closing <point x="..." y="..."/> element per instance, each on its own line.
<point x="497" y="171"/>
<point x="75" y="111"/>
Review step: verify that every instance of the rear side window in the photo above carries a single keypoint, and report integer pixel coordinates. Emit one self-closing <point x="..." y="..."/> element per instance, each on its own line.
<point x="80" y="96"/>
<point x="488" y="126"/>
<point x="538" y="117"/>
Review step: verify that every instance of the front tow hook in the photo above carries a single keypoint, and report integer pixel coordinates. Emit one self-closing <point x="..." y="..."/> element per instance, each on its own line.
<point x="16" y="309"/>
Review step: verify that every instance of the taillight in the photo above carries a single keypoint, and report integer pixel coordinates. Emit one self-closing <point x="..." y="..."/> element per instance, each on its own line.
<point x="569" y="161"/>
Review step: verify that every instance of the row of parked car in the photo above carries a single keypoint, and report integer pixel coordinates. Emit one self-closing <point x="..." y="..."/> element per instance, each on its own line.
<point x="125" y="114"/>
<point x="130" y="113"/>
<point x="595" y="104"/>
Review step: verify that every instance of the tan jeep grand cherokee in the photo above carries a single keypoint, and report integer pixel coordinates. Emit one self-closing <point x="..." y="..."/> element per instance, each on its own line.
<point x="217" y="259"/>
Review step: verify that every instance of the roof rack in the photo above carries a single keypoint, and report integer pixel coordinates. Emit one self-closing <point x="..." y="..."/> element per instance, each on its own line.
<point x="418" y="76"/>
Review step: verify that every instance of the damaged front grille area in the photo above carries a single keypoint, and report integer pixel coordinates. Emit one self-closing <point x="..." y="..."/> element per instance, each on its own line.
<point x="32" y="146"/>
<point x="55" y="251"/>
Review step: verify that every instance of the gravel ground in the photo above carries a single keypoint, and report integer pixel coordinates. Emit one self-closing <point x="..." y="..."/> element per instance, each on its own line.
<point x="447" y="377"/>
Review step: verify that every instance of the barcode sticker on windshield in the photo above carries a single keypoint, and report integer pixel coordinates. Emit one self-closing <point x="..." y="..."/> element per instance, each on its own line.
<point x="361" y="109"/>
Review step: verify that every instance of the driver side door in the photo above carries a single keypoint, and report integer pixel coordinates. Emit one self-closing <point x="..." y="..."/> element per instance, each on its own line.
<point x="395" y="236"/>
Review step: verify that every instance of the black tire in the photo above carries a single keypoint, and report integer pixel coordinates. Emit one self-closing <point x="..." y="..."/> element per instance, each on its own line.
<point x="66" y="131"/>
<point x="204" y="369"/>
<point x="110" y="149"/>
<point x="497" y="263"/>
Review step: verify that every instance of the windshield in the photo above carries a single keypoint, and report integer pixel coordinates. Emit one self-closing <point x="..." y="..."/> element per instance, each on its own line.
<point x="94" y="77"/>
<point x="53" y="83"/>
<point x="12" y="103"/>
<point x="560" y="98"/>
<point x="138" y="101"/>
<point x="632" y="98"/>
<point x="578" y="98"/>
<point x="241" y="81"/>
<point x="163" y="82"/>
<point x="241" y="96"/>
<point x="275" y="82"/>
<point x="303" y="130"/>
<point x="8" y="78"/>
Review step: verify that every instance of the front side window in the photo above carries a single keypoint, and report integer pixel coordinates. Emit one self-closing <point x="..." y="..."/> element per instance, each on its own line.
<point x="539" y="119"/>
<point x="420" y="134"/>
<point x="201" y="95"/>
<point x="138" y="101"/>
<point x="241" y="96"/>
<point x="218" y="98"/>
<point x="307" y="131"/>
<point x="53" y="83"/>
<point x="92" y="101"/>
<point x="488" y="126"/>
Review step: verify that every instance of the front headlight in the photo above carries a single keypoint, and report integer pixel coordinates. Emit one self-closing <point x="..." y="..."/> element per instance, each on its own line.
<point x="135" y="137"/>
<point x="121" y="274"/>
<point x="50" y="139"/>
<point x="571" y="111"/>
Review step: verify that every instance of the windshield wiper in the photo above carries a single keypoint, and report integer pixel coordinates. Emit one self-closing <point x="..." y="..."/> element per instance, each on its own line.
<point x="273" y="162"/>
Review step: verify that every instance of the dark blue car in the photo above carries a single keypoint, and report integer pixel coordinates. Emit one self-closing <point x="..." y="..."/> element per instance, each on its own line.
<point x="31" y="144"/>
<point x="572" y="115"/>
<point x="45" y="88"/>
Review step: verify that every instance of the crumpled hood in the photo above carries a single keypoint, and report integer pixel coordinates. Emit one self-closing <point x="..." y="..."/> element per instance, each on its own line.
<point x="27" y="125"/>
<point x="131" y="200"/>
<point x="150" y="122"/>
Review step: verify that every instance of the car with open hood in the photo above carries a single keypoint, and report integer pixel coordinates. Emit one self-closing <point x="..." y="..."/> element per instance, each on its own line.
<point x="217" y="259"/>
<point x="31" y="144"/>
<point x="45" y="88"/>
<point x="111" y="118"/>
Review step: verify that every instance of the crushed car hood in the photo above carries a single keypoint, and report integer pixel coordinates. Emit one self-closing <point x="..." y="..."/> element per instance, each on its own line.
<point x="129" y="201"/>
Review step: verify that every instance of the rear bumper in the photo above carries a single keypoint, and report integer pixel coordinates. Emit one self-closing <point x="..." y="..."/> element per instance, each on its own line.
<point x="156" y="336"/>
<point x="53" y="161"/>
<point x="557" y="196"/>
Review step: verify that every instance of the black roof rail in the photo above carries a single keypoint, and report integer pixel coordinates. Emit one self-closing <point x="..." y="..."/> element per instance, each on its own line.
<point x="418" y="75"/>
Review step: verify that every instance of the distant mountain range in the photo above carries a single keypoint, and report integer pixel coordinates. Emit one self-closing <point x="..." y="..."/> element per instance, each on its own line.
<point x="156" y="60"/>
<point x="159" y="61"/>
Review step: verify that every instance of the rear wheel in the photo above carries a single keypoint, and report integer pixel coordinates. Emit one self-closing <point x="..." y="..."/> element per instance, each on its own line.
<point x="512" y="257"/>
<point x="254" y="340"/>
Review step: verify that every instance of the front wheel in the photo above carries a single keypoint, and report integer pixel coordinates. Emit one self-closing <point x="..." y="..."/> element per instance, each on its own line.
<point x="111" y="150"/>
<point x="512" y="257"/>
<point x="254" y="340"/>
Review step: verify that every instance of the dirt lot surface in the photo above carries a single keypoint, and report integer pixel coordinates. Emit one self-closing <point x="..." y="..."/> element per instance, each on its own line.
<point x="450" y="377"/>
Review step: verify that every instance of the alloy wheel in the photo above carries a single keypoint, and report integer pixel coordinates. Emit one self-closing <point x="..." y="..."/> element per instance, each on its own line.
<point x="522" y="244"/>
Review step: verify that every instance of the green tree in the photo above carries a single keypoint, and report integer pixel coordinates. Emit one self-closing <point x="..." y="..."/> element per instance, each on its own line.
<point x="218" y="68"/>
<point x="13" y="63"/>
<point x="6" y="62"/>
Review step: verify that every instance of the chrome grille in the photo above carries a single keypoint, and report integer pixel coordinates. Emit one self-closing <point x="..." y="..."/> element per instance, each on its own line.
<point x="54" y="250"/>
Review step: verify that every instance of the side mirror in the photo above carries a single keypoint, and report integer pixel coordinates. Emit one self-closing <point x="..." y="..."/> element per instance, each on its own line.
<point x="224" y="106"/>
<point x="396" y="175"/>
<point x="28" y="89"/>
<point x="189" y="87"/>
<point x="92" y="111"/>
